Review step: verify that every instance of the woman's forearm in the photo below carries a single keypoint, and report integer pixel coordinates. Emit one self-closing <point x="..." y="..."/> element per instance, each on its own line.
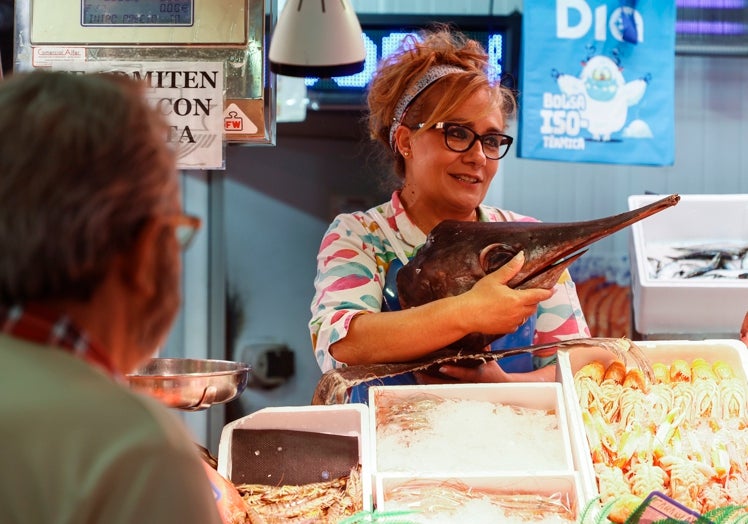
<point x="401" y="336"/>
<point x="490" y="306"/>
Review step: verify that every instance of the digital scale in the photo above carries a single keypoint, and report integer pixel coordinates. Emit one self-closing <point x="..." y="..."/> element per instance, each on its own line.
<point x="221" y="39"/>
<point x="142" y="22"/>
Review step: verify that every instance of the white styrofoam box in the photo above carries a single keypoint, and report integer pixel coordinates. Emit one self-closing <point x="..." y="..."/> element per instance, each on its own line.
<point x="533" y="395"/>
<point x="732" y="352"/>
<point x="566" y="485"/>
<point x="349" y="420"/>
<point x="712" y="307"/>
<point x="580" y="451"/>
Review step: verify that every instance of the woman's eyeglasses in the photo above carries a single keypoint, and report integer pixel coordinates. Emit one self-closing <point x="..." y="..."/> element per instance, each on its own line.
<point x="460" y="138"/>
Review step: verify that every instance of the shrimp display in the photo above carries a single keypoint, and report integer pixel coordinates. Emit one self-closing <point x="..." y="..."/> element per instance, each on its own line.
<point x="322" y="502"/>
<point x="683" y="433"/>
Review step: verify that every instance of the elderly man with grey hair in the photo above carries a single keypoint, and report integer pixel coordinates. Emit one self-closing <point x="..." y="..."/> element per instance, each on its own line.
<point x="89" y="287"/>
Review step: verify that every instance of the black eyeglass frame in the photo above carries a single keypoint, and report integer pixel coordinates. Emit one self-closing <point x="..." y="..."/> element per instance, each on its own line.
<point x="444" y="126"/>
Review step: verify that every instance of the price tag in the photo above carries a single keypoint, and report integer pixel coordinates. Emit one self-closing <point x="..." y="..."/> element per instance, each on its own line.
<point x="658" y="507"/>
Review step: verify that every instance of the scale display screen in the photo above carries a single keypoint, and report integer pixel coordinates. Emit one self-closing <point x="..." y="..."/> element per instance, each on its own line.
<point x="96" y="13"/>
<point x="139" y="22"/>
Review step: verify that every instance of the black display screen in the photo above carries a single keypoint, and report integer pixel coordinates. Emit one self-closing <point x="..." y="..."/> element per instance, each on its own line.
<point x="500" y="35"/>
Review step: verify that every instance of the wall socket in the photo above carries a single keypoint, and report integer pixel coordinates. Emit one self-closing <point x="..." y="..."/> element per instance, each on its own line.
<point x="271" y="364"/>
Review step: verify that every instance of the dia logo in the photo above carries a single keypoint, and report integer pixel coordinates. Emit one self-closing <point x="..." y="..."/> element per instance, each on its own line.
<point x="575" y="19"/>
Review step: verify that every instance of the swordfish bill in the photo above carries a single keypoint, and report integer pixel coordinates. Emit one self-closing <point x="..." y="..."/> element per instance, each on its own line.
<point x="458" y="254"/>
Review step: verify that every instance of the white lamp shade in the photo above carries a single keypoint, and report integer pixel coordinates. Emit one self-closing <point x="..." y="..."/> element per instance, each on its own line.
<point x="317" y="38"/>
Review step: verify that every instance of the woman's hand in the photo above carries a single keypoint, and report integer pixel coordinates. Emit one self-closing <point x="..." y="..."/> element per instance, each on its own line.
<point x="489" y="307"/>
<point x="493" y="307"/>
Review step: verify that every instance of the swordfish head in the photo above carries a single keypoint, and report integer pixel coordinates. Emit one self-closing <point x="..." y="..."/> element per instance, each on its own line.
<point x="458" y="254"/>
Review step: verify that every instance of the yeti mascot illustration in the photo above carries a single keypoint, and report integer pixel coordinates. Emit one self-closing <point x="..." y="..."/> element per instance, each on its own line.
<point x="607" y="97"/>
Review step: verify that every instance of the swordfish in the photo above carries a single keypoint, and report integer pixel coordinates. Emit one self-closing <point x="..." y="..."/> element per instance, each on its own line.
<point x="458" y="254"/>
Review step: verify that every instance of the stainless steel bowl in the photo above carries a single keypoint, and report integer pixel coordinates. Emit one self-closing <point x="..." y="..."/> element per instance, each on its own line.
<point x="190" y="384"/>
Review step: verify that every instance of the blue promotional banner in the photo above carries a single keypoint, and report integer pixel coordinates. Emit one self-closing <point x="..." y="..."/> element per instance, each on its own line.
<point x="597" y="81"/>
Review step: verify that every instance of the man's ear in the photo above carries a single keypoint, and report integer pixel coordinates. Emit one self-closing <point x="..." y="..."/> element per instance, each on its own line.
<point x="140" y="264"/>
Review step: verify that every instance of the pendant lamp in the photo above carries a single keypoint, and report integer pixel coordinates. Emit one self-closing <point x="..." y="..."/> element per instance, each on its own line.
<point x="317" y="38"/>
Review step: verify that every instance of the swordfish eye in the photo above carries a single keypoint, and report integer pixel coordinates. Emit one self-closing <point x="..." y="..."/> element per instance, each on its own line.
<point x="493" y="256"/>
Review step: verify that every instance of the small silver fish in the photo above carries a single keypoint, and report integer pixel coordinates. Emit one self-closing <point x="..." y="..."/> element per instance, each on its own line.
<point x="700" y="261"/>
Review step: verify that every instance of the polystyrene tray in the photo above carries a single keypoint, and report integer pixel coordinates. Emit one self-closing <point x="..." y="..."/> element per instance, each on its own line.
<point x="566" y="486"/>
<point x="712" y="308"/>
<point x="348" y="420"/>
<point x="535" y="395"/>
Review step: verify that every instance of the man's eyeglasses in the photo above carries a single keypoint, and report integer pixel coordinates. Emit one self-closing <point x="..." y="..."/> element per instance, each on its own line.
<point x="185" y="228"/>
<point x="460" y="138"/>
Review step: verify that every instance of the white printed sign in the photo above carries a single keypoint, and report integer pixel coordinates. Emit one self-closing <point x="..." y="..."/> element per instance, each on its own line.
<point x="189" y="94"/>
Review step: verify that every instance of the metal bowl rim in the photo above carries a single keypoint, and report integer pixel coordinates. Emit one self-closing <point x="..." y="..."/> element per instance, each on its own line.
<point x="239" y="368"/>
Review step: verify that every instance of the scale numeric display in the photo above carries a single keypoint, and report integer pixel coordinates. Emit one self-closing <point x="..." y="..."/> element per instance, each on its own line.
<point x="158" y="13"/>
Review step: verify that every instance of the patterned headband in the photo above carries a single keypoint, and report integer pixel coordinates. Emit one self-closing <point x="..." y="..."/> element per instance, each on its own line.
<point x="431" y="76"/>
